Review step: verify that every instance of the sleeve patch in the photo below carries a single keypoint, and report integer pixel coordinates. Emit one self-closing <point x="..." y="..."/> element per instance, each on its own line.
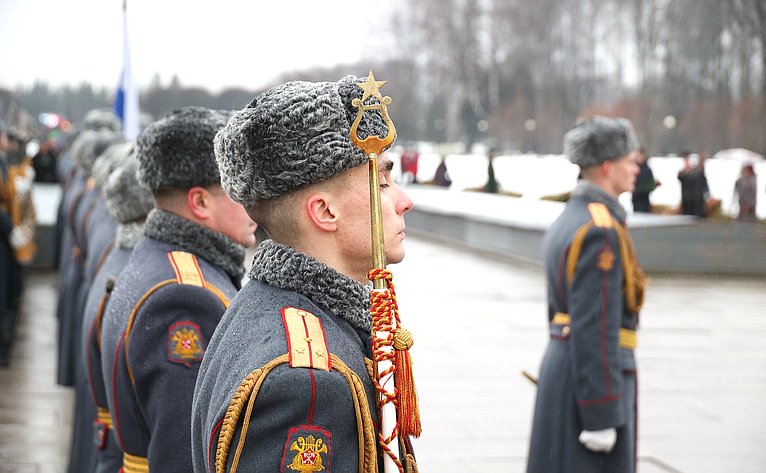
<point x="606" y="260"/>
<point x="185" y="343"/>
<point x="306" y="343"/>
<point x="308" y="448"/>
<point x="186" y="268"/>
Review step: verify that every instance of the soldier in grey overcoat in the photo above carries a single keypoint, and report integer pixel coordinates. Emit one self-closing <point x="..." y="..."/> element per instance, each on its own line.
<point x="129" y="203"/>
<point x="585" y="411"/>
<point x="79" y="207"/>
<point x="170" y="296"/>
<point x="100" y="229"/>
<point x="286" y="384"/>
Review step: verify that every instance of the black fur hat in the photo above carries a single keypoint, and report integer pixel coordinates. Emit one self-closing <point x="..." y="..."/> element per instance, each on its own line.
<point x="176" y="151"/>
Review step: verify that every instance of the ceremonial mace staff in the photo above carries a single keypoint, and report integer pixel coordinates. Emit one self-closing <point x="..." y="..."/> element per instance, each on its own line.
<point x="397" y="399"/>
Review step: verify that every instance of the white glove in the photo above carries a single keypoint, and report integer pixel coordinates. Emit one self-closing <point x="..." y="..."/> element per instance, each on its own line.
<point x="19" y="238"/>
<point x="599" y="440"/>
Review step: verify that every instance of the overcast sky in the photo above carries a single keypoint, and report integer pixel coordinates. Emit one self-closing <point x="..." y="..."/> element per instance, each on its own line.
<point x="210" y="43"/>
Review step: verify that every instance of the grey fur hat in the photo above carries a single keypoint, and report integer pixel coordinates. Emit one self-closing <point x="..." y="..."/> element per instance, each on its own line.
<point x="101" y="119"/>
<point x="176" y="151"/>
<point x="126" y="199"/>
<point x="599" y="139"/>
<point x="291" y="136"/>
<point x="91" y="144"/>
<point x="110" y="159"/>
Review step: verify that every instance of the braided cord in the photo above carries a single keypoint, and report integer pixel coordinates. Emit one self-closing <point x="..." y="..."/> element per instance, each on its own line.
<point x="247" y="389"/>
<point x="385" y="320"/>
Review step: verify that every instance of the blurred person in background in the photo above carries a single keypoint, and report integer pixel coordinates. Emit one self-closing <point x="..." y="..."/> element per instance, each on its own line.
<point x="409" y="163"/>
<point x="98" y="228"/>
<point x="586" y="406"/>
<point x="745" y="188"/>
<point x="491" y="186"/>
<point x="645" y="183"/>
<point x="79" y="201"/>
<point x="694" y="187"/>
<point x="7" y="258"/>
<point x="22" y="178"/>
<point x="129" y="203"/>
<point x="441" y="178"/>
<point x="44" y="161"/>
<point x="17" y="229"/>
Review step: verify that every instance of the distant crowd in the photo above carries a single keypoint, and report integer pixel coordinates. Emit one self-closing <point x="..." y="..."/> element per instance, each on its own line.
<point x="696" y="198"/>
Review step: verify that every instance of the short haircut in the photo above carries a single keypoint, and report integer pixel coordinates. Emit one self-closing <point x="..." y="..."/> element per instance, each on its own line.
<point x="279" y="216"/>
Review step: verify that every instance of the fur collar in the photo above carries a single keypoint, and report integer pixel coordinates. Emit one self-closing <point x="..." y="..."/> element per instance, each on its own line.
<point x="594" y="193"/>
<point x="128" y="234"/>
<point x="216" y="248"/>
<point x="282" y="266"/>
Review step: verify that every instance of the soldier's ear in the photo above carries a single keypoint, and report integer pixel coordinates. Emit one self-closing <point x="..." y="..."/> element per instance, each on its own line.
<point x="320" y="213"/>
<point x="606" y="168"/>
<point x="199" y="202"/>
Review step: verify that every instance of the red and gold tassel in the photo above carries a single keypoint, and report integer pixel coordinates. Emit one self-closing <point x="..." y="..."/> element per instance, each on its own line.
<point x="383" y="306"/>
<point x="407" y="396"/>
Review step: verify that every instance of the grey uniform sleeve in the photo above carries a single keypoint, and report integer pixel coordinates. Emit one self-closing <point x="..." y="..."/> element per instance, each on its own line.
<point x="166" y="346"/>
<point x="595" y="309"/>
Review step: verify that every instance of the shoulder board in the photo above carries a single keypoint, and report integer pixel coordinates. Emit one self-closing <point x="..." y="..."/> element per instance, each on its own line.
<point x="600" y="215"/>
<point x="186" y="268"/>
<point x="306" y="343"/>
<point x="600" y="218"/>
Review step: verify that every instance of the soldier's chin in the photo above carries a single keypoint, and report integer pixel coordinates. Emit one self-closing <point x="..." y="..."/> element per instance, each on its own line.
<point x="395" y="257"/>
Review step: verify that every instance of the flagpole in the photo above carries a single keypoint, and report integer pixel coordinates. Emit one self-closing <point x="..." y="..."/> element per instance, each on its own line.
<point x="126" y="101"/>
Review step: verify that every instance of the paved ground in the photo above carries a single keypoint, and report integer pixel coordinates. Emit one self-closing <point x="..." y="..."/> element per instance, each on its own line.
<point x="35" y="413"/>
<point x="478" y="321"/>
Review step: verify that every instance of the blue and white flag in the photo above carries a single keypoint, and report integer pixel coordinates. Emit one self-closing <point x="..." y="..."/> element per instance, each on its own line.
<point x="126" y="99"/>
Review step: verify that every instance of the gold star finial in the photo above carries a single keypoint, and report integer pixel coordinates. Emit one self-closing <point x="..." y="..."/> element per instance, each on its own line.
<point x="371" y="87"/>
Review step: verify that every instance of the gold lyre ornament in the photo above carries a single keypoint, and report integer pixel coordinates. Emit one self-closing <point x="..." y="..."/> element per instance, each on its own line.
<point x="372" y="146"/>
<point x="309" y="456"/>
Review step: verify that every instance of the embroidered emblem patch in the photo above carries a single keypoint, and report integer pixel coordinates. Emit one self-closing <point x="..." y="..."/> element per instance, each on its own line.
<point x="308" y="449"/>
<point x="185" y="343"/>
<point x="606" y="260"/>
